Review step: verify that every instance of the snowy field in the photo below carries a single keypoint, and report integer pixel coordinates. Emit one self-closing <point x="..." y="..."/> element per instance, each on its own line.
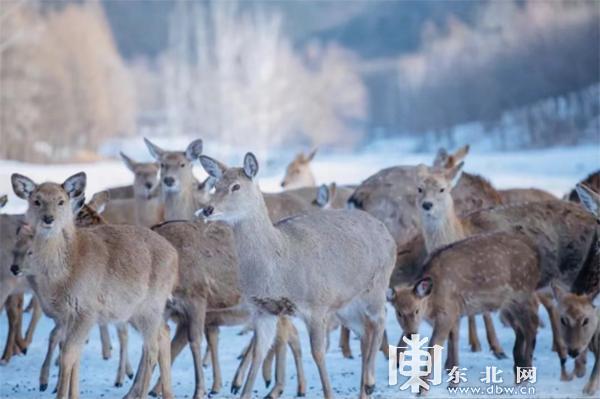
<point x="555" y="170"/>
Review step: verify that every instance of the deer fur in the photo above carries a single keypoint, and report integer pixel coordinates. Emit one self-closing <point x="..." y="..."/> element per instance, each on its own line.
<point x="298" y="173"/>
<point x="102" y="274"/>
<point x="497" y="271"/>
<point x="296" y="267"/>
<point x="522" y="195"/>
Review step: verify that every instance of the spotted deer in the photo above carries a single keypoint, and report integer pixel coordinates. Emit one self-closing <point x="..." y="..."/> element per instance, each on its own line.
<point x="497" y="271"/>
<point x="298" y="173"/>
<point x="75" y="270"/>
<point x="297" y="267"/>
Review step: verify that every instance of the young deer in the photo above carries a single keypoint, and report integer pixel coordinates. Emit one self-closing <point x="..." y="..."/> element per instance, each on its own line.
<point x="498" y="271"/>
<point x="145" y="208"/>
<point x="298" y="173"/>
<point x="103" y="274"/>
<point x="298" y="267"/>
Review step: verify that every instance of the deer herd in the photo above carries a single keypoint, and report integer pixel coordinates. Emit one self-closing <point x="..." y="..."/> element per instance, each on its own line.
<point x="436" y="243"/>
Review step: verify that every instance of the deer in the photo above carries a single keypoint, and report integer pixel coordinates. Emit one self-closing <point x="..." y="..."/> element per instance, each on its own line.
<point x="144" y="208"/>
<point x="495" y="271"/>
<point x="179" y="184"/>
<point x="298" y="173"/>
<point x="12" y="290"/>
<point x="107" y="273"/>
<point x="296" y="267"/>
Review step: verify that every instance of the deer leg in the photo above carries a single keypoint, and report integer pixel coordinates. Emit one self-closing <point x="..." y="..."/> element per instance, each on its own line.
<point x="206" y="357"/>
<point x="280" y="350"/>
<point x="580" y="363"/>
<point x="377" y="332"/>
<point x="179" y="341"/>
<point x="105" y="339"/>
<point x="164" y="361"/>
<point x="36" y="313"/>
<point x="195" y="331"/>
<point x="12" y="313"/>
<point x="365" y="343"/>
<point x="452" y="358"/>
<point x="267" y="366"/>
<point x="492" y="338"/>
<point x="441" y="330"/>
<point x="317" y="333"/>
<point x="592" y="385"/>
<point x="473" y="338"/>
<point x="20" y="345"/>
<point x="264" y="333"/>
<point x="68" y="382"/>
<point x="236" y="384"/>
<point x="124" y="366"/>
<point x="345" y="343"/>
<point x="294" y="343"/>
<point x="213" y="344"/>
<point x="385" y="345"/>
<point x="55" y="336"/>
<point x="557" y="342"/>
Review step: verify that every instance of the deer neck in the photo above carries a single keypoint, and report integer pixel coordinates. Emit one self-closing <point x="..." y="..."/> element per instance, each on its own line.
<point x="147" y="211"/>
<point x="53" y="254"/>
<point x="442" y="231"/>
<point x="179" y="206"/>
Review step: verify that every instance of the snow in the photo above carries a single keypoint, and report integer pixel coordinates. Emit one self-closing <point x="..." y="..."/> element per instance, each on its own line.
<point x="555" y="170"/>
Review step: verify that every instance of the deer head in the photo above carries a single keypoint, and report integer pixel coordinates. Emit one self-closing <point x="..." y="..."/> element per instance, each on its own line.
<point x="90" y="213"/>
<point x="578" y="319"/>
<point x="176" y="167"/>
<point x="145" y="175"/>
<point x="22" y="252"/>
<point x="237" y="195"/>
<point x="51" y="205"/>
<point x="298" y="173"/>
<point x="409" y="303"/>
<point x="434" y="188"/>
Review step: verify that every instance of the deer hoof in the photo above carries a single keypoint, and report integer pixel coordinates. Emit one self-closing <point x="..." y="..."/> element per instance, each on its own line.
<point x="118" y="384"/>
<point x="130" y="376"/>
<point x="235" y="389"/>
<point x="213" y="393"/>
<point x="369" y="389"/>
<point x="267" y="383"/>
<point x="301" y="394"/>
<point x="153" y="394"/>
<point x="43" y="387"/>
<point x="500" y="355"/>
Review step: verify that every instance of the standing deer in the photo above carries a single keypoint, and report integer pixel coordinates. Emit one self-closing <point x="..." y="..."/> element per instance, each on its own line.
<point x="498" y="271"/>
<point x="298" y="173"/>
<point x="297" y="267"/>
<point x="103" y="274"/>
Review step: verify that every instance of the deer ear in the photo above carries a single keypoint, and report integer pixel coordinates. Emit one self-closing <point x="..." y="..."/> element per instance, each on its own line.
<point x="453" y="174"/>
<point x="423" y="287"/>
<point x="557" y="291"/>
<point x="194" y="150"/>
<point x="99" y="201"/>
<point x="461" y="153"/>
<point x="213" y="167"/>
<point x="22" y="186"/>
<point x="311" y="155"/>
<point x="250" y="165"/>
<point x="323" y="196"/>
<point x="207" y="184"/>
<point x="3" y="201"/>
<point x="390" y="294"/>
<point x="130" y="163"/>
<point x="75" y="185"/>
<point x="440" y="158"/>
<point x="589" y="198"/>
<point x="155" y="150"/>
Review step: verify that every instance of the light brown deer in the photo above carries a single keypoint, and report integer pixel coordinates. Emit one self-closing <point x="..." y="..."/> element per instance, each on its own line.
<point x="498" y="271"/>
<point x="297" y="267"/>
<point x="580" y="328"/>
<point x="102" y="274"/>
<point x="298" y="173"/>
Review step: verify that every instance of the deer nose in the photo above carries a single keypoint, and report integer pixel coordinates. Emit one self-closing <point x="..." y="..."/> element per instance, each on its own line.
<point x="208" y="211"/>
<point x="573" y="353"/>
<point x="148" y="185"/>
<point x="48" y="219"/>
<point x="169" y="181"/>
<point x="14" y="269"/>
<point x="427" y="205"/>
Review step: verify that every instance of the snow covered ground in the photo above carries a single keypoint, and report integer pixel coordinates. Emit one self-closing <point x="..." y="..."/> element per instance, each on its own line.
<point x="555" y="170"/>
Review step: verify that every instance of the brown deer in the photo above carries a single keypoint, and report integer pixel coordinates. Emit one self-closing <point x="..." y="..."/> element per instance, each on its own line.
<point x="296" y="267"/>
<point x="298" y="173"/>
<point x="76" y="270"/>
<point x="497" y="271"/>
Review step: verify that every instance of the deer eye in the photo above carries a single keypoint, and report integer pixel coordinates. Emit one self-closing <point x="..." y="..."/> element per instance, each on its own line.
<point x="442" y="190"/>
<point x="29" y="253"/>
<point x="235" y="187"/>
<point x="182" y="165"/>
<point x="585" y="321"/>
<point x="37" y="203"/>
<point x="162" y="165"/>
<point x="61" y="202"/>
<point x="417" y="311"/>
<point x="563" y="321"/>
<point x="420" y="189"/>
